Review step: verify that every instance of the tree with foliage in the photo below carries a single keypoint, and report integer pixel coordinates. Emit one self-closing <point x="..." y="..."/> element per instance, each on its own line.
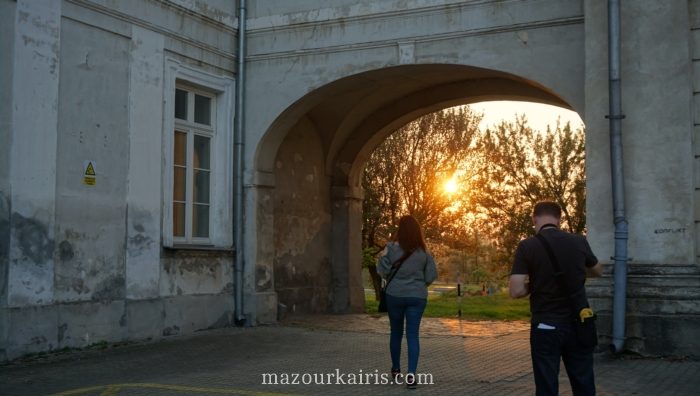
<point x="406" y="175"/>
<point x="519" y="167"/>
<point x="498" y="174"/>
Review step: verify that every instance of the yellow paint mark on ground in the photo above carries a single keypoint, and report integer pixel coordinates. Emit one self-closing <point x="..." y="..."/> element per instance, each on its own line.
<point x="113" y="389"/>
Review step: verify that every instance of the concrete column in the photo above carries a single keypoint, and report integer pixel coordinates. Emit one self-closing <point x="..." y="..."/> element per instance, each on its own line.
<point x="346" y="249"/>
<point x="143" y="197"/>
<point x="28" y="181"/>
<point x="260" y="298"/>
<point x="33" y="153"/>
<point x="657" y="86"/>
<point x="7" y="44"/>
<point x="144" y="193"/>
<point x="656" y="98"/>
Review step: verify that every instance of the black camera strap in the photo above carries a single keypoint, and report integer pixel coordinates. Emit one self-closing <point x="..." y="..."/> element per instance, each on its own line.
<point x="396" y="267"/>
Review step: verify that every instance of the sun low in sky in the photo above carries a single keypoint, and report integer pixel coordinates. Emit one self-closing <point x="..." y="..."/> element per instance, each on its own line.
<point x="538" y="115"/>
<point x="451" y="185"/>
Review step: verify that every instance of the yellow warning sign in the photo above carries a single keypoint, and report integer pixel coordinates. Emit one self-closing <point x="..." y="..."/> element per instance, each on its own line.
<point x="90" y="170"/>
<point x="89" y="173"/>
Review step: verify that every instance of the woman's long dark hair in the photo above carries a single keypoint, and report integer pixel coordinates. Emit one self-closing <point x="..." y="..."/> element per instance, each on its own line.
<point x="409" y="234"/>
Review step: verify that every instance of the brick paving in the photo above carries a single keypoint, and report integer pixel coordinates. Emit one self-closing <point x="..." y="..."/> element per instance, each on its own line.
<point x="474" y="358"/>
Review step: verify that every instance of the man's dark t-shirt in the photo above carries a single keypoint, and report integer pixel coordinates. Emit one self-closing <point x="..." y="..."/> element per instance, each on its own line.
<point x="548" y="303"/>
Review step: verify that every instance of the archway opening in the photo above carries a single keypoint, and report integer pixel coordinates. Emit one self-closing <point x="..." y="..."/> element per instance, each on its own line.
<point x="316" y="151"/>
<point x="470" y="175"/>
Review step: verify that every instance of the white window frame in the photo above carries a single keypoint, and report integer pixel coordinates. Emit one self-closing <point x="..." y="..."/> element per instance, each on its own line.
<point x="221" y="90"/>
<point x="191" y="128"/>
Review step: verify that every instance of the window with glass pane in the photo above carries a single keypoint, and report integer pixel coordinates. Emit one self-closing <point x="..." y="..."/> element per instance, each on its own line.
<point x="202" y="109"/>
<point x="200" y="214"/>
<point x="192" y="165"/>
<point x="181" y="104"/>
<point x="179" y="183"/>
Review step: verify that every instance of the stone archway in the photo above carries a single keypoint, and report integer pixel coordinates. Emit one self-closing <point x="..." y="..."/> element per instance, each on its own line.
<point x="316" y="151"/>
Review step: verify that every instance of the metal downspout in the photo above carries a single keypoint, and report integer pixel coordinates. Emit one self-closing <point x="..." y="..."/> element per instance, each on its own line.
<point x="618" y="188"/>
<point x="238" y="143"/>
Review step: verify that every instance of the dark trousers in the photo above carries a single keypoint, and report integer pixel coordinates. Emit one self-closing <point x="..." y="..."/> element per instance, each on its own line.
<point x="548" y="347"/>
<point x="411" y="310"/>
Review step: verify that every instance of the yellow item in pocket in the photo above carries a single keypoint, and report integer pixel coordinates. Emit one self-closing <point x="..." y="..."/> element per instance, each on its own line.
<point x="585" y="313"/>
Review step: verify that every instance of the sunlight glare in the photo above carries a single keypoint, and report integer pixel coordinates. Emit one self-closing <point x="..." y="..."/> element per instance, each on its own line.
<point x="451" y="186"/>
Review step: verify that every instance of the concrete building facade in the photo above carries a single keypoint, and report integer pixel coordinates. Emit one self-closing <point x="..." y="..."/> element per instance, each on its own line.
<point x="117" y="151"/>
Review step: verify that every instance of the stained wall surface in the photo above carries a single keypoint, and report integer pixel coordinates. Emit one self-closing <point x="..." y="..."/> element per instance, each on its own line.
<point x="82" y="263"/>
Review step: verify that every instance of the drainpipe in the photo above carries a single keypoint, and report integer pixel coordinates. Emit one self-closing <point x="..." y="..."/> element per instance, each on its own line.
<point x="238" y="144"/>
<point x="618" y="188"/>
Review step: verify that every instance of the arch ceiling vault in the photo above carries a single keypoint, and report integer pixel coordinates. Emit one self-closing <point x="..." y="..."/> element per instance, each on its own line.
<point x="354" y="114"/>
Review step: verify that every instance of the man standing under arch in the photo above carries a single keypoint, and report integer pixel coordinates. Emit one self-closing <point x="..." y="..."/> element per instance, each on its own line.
<point x="552" y="333"/>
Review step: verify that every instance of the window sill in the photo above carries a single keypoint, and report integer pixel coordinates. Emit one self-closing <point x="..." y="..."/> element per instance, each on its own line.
<point x="204" y="248"/>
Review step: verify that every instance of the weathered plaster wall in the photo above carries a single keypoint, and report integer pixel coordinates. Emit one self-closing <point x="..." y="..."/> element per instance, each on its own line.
<point x="37" y="43"/>
<point x="663" y="302"/>
<point x="196" y="290"/>
<point x="694" y="12"/>
<point x="657" y="131"/>
<point x="332" y="8"/>
<point x="302" y="223"/>
<point x="143" y="197"/>
<point x="222" y="11"/>
<point x="90" y="224"/>
<point x="260" y="304"/>
<point x="7" y="41"/>
<point x="35" y="76"/>
<point x="86" y="263"/>
<point x="346" y="233"/>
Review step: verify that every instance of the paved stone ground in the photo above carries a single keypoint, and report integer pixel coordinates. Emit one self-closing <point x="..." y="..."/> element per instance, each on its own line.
<point x="475" y="358"/>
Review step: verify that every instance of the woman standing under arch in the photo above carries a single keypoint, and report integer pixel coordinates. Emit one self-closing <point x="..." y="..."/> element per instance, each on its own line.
<point x="411" y="269"/>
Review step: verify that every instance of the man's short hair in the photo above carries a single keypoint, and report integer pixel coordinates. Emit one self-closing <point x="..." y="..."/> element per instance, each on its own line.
<point x="547" y="208"/>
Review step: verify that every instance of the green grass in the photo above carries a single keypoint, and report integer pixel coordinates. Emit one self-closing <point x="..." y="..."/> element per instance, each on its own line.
<point x="497" y="306"/>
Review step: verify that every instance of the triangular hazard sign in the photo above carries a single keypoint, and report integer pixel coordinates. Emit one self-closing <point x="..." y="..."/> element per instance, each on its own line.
<point x="89" y="171"/>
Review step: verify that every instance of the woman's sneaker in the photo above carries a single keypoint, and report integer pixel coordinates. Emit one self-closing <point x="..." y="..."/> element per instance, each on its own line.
<point x="395" y="373"/>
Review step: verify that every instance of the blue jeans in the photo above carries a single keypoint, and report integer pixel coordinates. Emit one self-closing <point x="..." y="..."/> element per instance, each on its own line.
<point x="548" y="347"/>
<point x="411" y="309"/>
